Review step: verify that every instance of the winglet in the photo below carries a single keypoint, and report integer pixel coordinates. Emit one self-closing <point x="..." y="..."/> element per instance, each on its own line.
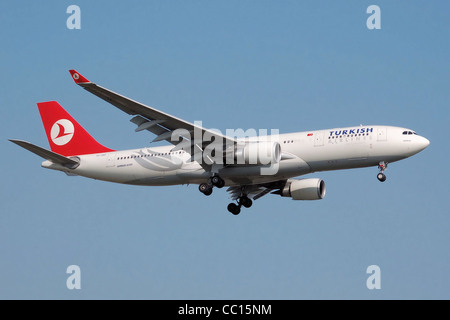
<point x="77" y="77"/>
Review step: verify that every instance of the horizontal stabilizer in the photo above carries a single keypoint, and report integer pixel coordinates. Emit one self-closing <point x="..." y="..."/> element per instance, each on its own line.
<point x="47" y="154"/>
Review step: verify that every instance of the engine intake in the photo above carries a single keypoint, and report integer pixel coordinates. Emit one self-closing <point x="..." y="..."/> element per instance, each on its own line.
<point x="304" y="189"/>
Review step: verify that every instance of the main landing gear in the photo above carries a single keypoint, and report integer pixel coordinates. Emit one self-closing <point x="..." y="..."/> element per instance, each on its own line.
<point x="214" y="181"/>
<point x="217" y="182"/>
<point x="242" y="201"/>
<point x="382" y="166"/>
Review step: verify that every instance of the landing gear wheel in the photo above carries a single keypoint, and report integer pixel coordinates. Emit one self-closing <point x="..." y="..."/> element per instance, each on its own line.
<point x="381" y="177"/>
<point x="234" y="208"/>
<point x="205" y="188"/>
<point x="246" y="201"/>
<point x="218" y="182"/>
<point x="382" y="166"/>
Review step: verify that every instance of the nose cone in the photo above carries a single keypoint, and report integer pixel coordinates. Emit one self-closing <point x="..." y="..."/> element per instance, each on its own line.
<point x="422" y="143"/>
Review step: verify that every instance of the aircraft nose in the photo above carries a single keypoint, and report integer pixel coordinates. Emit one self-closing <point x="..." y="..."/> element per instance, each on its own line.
<point x="422" y="143"/>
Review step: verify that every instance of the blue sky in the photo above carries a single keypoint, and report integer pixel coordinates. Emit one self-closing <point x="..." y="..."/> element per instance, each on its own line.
<point x="287" y="65"/>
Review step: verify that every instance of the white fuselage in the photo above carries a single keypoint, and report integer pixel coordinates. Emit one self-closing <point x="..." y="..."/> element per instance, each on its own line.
<point x="302" y="153"/>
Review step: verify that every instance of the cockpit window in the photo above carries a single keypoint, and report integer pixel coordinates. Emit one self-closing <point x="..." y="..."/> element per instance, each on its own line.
<point x="408" y="132"/>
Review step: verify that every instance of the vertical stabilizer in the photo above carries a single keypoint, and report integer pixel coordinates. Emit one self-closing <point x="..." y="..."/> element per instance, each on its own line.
<point x="65" y="135"/>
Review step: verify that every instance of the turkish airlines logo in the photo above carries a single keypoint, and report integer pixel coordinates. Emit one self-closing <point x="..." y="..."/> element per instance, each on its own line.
<point x="76" y="76"/>
<point x="62" y="132"/>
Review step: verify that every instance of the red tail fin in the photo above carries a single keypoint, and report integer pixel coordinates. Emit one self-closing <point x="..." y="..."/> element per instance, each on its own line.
<point x="65" y="135"/>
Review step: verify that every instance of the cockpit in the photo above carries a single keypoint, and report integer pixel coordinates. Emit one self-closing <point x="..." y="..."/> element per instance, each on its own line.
<point x="408" y="132"/>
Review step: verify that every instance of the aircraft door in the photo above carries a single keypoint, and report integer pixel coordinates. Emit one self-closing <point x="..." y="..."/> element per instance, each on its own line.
<point x="318" y="139"/>
<point x="382" y="134"/>
<point x="111" y="162"/>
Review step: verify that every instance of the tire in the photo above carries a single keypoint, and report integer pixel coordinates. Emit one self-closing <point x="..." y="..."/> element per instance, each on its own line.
<point x="215" y="180"/>
<point x="246" y="202"/>
<point x="218" y="182"/>
<point x="381" y="177"/>
<point x="205" y="188"/>
<point x="221" y="184"/>
<point x="234" y="209"/>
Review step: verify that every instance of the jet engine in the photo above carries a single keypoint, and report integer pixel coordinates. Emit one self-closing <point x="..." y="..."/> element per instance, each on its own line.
<point x="304" y="189"/>
<point x="254" y="153"/>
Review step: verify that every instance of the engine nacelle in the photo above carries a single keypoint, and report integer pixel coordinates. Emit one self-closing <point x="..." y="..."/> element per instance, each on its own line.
<point x="304" y="189"/>
<point x="254" y="153"/>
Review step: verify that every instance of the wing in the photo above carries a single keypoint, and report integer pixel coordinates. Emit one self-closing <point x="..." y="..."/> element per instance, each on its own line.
<point x="164" y="126"/>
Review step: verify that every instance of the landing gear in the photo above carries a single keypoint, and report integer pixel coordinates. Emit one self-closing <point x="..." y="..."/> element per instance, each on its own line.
<point x="242" y="201"/>
<point x="217" y="181"/>
<point x="381" y="177"/>
<point x="242" y="198"/>
<point x="234" y="208"/>
<point x="245" y="201"/>
<point x="382" y="166"/>
<point x="205" y="188"/>
<point x="214" y="181"/>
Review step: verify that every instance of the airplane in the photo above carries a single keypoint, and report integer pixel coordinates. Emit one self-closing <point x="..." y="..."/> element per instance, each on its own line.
<point x="251" y="167"/>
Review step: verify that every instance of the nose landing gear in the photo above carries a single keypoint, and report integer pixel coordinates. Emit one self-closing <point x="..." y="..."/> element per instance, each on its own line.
<point x="381" y="176"/>
<point x="382" y="166"/>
